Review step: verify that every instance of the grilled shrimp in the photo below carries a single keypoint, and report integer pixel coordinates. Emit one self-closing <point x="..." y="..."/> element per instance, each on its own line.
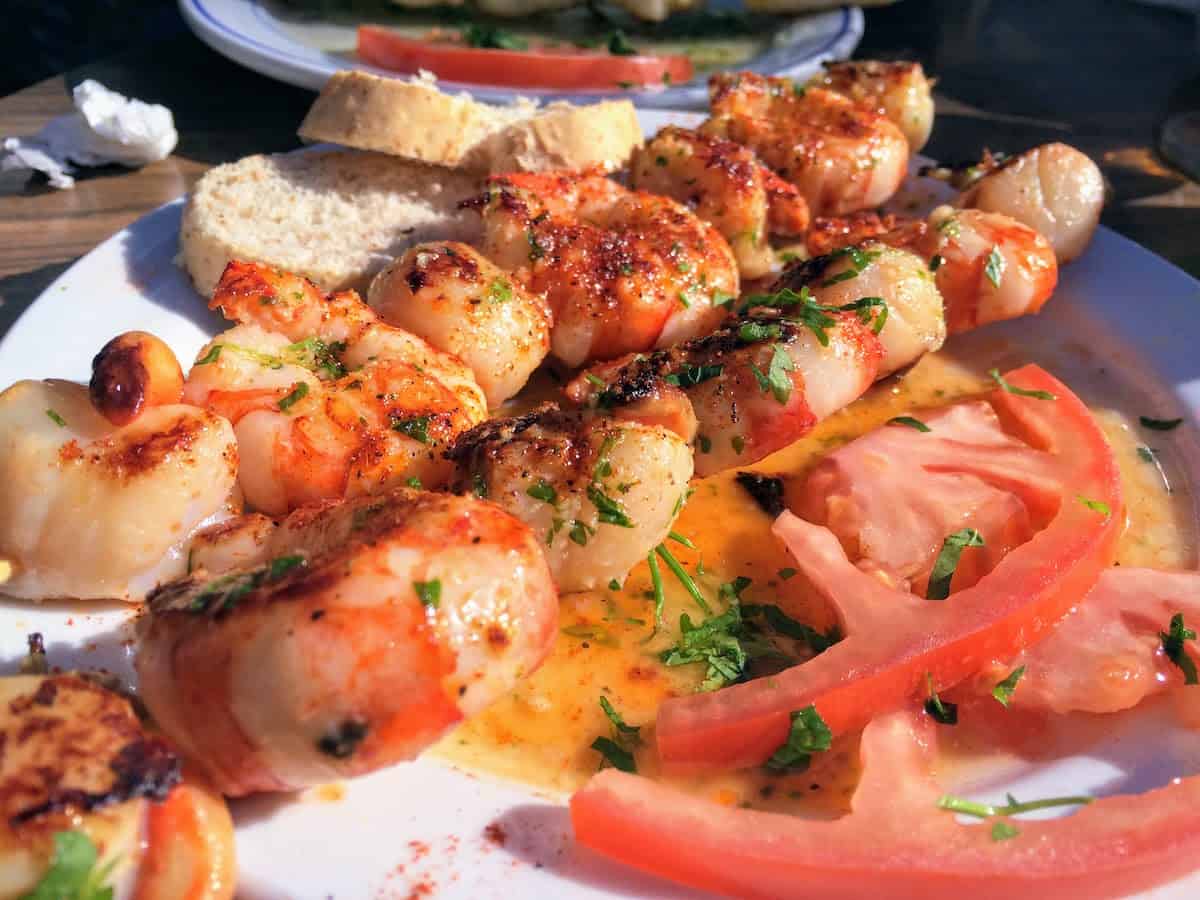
<point x="326" y="401"/>
<point x="899" y="280"/>
<point x="358" y="635"/>
<point x="624" y="271"/>
<point x="450" y="295"/>
<point x="1054" y="189"/>
<point x="987" y="266"/>
<point x="80" y="770"/>
<point x="898" y="90"/>
<point x="599" y="492"/>
<point x="724" y="184"/>
<point x="92" y="510"/>
<point x="749" y="388"/>
<point x="841" y="156"/>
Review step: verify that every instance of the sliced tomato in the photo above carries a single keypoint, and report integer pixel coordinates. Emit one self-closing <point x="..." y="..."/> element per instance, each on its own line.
<point x="1106" y="655"/>
<point x="895" y="639"/>
<point x="895" y="842"/>
<point x="893" y="495"/>
<point x="557" y="68"/>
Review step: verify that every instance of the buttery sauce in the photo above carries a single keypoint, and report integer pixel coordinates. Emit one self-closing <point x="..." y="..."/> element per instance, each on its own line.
<point x="608" y="646"/>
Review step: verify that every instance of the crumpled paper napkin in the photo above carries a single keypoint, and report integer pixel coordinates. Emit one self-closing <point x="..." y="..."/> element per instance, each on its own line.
<point x="106" y="127"/>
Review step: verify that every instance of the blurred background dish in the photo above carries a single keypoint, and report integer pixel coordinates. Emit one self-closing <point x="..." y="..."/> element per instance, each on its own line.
<point x="591" y="49"/>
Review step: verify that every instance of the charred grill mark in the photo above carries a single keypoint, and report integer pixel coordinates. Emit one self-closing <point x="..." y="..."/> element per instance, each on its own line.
<point x="128" y="459"/>
<point x="765" y="490"/>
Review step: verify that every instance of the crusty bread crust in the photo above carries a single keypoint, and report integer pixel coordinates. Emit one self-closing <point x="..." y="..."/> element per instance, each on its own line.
<point x="336" y="217"/>
<point x="414" y="120"/>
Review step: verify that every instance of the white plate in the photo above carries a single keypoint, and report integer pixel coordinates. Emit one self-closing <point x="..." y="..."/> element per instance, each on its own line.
<point x="263" y="37"/>
<point x="423" y="823"/>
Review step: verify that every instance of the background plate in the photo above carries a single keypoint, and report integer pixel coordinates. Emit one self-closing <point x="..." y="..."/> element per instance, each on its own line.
<point x="257" y="35"/>
<point x="421" y="826"/>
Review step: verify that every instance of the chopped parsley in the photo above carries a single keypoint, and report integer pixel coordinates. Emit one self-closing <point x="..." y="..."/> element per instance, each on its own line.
<point x="223" y="594"/>
<point x="490" y="37"/>
<point x="786" y="573"/>
<point x="941" y="711"/>
<point x="714" y="642"/>
<point x="776" y="379"/>
<point x="656" y="584"/>
<point x="752" y="332"/>
<point x="56" y="419"/>
<point x="807" y="735"/>
<point x="213" y="354"/>
<point x="416" y="428"/>
<point x="911" y="423"/>
<point x="738" y="443"/>
<point x="580" y="532"/>
<point x="620" y="728"/>
<point x="859" y="261"/>
<point x="298" y="392"/>
<point x="500" y="291"/>
<point x="690" y="376"/>
<point x="935" y="262"/>
<point x="536" y="251"/>
<point x="317" y="356"/>
<point x="950" y="227"/>
<point x="704" y="442"/>
<point x="543" y="491"/>
<point x="614" y="754"/>
<point x="609" y="509"/>
<point x="681" y="539"/>
<point x="429" y="592"/>
<point x="685" y="579"/>
<point x="614" y="585"/>
<point x="1095" y="505"/>
<point x="1003" y="831"/>
<point x="1160" y="424"/>
<point x="1003" y="691"/>
<point x="800" y="306"/>
<point x="414" y="482"/>
<point x="73" y="873"/>
<point x="619" y="45"/>
<point x="782" y="623"/>
<point x="479" y="486"/>
<point x="947" y="561"/>
<point x="1003" y="383"/>
<point x="1011" y="808"/>
<point x="1147" y="454"/>
<point x="993" y="268"/>
<point x="722" y="298"/>
<point x="1173" y="646"/>
<point x="595" y="380"/>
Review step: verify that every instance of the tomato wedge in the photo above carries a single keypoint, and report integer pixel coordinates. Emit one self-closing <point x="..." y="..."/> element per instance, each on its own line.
<point x="895" y="842"/>
<point x="558" y="68"/>
<point x="895" y="640"/>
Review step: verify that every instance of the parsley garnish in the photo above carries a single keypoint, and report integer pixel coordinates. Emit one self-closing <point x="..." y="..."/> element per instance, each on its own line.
<point x="1160" y="424"/>
<point x="73" y="874"/>
<point x="613" y="584"/>
<point x="656" y="584"/>
<point x="1004" y="690"/>
<point x="224" y="593"/>
<point x="1003" y="831"/>
<point x="1012" y="808"/>
<point x="1173" y="645"/>
<point x="429" y="592"/>
<point x="298" y="392"/>
<point x="935" y="262"/>
<point x="609" y="509"/>
<point x="500" y="291"/>
<point x="752" y="332"/>
<point x="776" y="379"/>
<point x="950" y="227"/>
<point x="543" y="491"/>
<point x="994" y="267"/>
<point x="342" y="743"/>
<point x="784" y="624"/>
<point x="614" y="754"/>
<point x="800" y="306"/>
<point x="414" y="482"/>
<point x="1147" y="454"/>
<point x="690" y="376"/>
<point x="941" y="711"/>
<point x="722" y="298"/>
<point x="1095" y="505"/>
<point x="947" y="561"/>
<point x="580" y="532"/>
<point x="628" y="732"/>
<point x="713" y="642"/>
<point x="807" y="735"/>
<point x="684" y="578"/>
<point x="479" y="486"/>
<point x="489" y="37"/>
<point x="617" y="750"/>
<point x="416" y="428"/>
<point x="704" y="442"/>
<point x="536" y="250"/>
<point x="56" y="418"/>
<point x="859" y="260"/>
<point x="786" y="573"/>
<point x="317" y="356"/>
<point x="910" y="422"/>
<point x="619" y="45"/>
<point x="1020" y="392"/>
<point x="213" y="354"/>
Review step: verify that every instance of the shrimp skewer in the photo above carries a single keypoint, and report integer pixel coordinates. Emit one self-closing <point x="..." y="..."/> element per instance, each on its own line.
<point x="623" y="271"/>
<point x="841" y="156"/>
<point x="356" y="636"/>
<point x="599" y="492"/>
<point x="329" y="402"/>
<point x="725" y="184"/>
<point x="450" y="295"/>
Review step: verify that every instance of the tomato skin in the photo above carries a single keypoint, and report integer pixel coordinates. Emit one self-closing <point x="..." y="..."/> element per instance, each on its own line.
<point x="552" y="69"/>
<point x="893" y="638"/>
<point x="895" y="842"/>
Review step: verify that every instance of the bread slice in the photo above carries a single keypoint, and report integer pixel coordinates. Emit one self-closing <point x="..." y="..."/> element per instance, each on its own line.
<point x="415" y="120"/>
<point x="336" y="216"/>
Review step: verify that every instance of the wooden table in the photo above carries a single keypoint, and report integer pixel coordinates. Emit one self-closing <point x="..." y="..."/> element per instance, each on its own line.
<point x="1003" y="82"/>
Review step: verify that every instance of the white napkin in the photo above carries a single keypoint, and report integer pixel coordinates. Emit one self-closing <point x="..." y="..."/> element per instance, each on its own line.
<point x="106" y="127"/>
